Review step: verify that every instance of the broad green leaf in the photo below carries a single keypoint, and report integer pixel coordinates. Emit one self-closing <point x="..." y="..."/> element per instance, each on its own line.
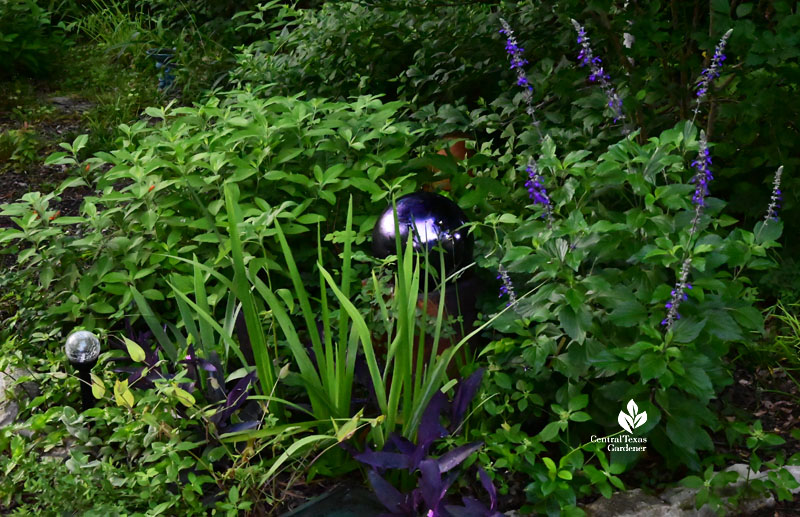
<point x="98" y="387"/>
<point x="122" y="394"/>
<point x="628" y="313"/>
<point x="134" y="350"/>
<point x="652" y="366"/>
<point x="184" y="397"/>
<point x="766" y="231"/>
<point x="686" y="330"/>
<point x="549" y="432"/>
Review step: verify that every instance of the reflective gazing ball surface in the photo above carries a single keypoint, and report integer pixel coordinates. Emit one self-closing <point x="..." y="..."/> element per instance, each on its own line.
<point x="432" y="220"/>
<point x="82" y="347"/>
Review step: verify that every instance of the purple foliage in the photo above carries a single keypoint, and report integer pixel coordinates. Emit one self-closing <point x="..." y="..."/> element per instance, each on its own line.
<point x="451" y="459"/>
<point x="430" y="428"/>
<point x="236" y="397"/>
<point x="141" y="376"/>
<point x="465" y="392"/>
<point x="395" y="501"/>
<point x="144" y="377"/>
<point x="401" y="454"/>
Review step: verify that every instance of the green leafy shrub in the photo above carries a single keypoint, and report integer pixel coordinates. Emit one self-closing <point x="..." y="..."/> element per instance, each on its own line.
<point x="589" y="338"/>
<point x="29" y="43"/>
<point x="19" y="145"/>
<point x="565" y="357"/>
<point x="159" y="197"/>
<point x="345" y="48"/>
<point x="401" y="48"/>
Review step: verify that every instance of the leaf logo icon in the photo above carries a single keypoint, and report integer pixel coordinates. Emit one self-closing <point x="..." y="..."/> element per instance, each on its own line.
<point x="633" y="419"/>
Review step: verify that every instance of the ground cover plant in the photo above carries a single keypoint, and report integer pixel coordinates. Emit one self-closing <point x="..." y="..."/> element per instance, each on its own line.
<point x="254" y="347"/>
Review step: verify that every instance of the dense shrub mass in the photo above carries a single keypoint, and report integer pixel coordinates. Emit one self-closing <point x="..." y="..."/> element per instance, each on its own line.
<point x="446" y="55"/>
<point x="252" y="343"/>
<point x="160" y="195"/>
<point x="29" y="43"/>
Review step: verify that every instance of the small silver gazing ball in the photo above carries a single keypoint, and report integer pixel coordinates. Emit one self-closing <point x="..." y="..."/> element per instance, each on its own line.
<point x="82" y="347"/>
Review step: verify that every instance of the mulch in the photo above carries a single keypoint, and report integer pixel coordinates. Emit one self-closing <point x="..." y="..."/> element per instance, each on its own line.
<point x="16" y="179"/>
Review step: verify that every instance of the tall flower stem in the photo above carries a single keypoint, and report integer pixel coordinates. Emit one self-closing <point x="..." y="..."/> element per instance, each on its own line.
<point x="517" y="63"/>
<point x="507" y="289"/>
<point x="708" y="75"/>
<point x="535" y="184"/>
<point x="701" y="179"/>
<point x="598" y="73"/>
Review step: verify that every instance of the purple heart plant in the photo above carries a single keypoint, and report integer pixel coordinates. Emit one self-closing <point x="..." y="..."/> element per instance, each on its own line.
<point x="144" y="376"/>
<point x="436" y="475"/>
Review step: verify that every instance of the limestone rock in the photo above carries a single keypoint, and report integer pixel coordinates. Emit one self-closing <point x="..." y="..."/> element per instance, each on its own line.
<point x="679" y="501"/>
<point x="10" y="393"/>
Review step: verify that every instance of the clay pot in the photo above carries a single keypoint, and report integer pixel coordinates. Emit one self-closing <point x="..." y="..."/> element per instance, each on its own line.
<point x="460" y="298"/>
<point x="457" y="150"/>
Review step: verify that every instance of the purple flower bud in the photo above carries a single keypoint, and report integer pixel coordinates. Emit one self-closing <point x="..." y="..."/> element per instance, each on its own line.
<point x="774" y="203"/>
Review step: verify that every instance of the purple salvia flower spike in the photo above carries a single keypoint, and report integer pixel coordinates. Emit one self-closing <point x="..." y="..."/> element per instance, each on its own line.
<point x="776" y="198"/>
<point x="678" y="294"/>
<point x="535" y="183"/>
<point x="712" y="72"/>
<point x="704" y="175"/>
<point x="701" y="179"/>
<point x="598" y="74"/>
<point x="537" y="192"/>
<point x="507" y="289"/>
<point x="517" y="63"/>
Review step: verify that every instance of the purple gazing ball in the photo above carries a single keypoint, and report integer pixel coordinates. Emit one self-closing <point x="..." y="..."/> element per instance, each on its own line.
<point x="433" y="222"/>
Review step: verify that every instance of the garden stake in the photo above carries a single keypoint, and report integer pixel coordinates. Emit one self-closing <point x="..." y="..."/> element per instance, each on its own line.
<point x="82" y="349"/>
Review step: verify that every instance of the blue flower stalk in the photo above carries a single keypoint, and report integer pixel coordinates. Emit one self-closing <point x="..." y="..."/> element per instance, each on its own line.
<point x="704" y="175"/>
<point x="598" y="74"/>
<point x="708" y="75"/>
<point x="776" y="198"/>
<point x="535" y="184"/>
<point x="537" y="191"/>
<point x="507" y="289"/>
<point x="701" y="179"/>
<point x="678" y="294"/>
<point x="517" y="63"/>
